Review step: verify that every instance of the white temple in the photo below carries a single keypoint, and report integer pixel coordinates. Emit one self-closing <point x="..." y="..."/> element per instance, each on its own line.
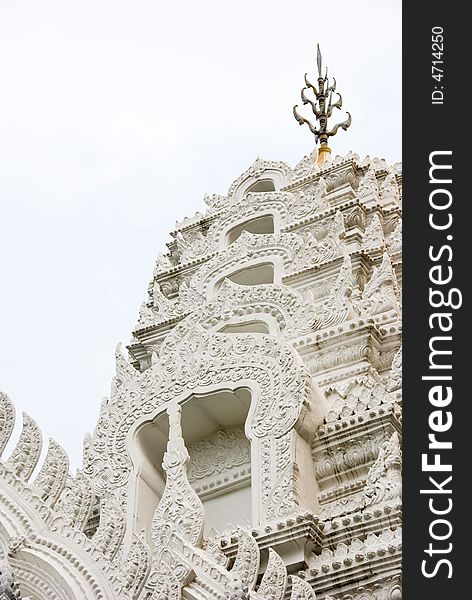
<point x="250" y="446"/>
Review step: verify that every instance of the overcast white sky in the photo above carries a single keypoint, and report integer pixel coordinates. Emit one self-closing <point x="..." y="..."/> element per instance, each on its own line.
<point x="115" y="118"/>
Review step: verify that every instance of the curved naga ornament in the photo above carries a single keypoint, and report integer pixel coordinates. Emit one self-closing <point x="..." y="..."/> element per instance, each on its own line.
<point x="246" y="564"/>
<point x="274" y="581"/>
<point x="52" y="477"/>
<point x="322" y="108"/>
<point x="135" y="565"/>
<point x="180" y="511"/>
<point x="301" y="590"/>
<point x="25" y="455"/>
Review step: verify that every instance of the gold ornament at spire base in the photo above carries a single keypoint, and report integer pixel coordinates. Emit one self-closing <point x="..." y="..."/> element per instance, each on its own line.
<point x="322" y="108"/>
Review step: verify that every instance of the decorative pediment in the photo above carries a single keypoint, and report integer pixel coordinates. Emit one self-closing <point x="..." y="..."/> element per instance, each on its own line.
<point x="373" y="235"/>
<point x="254" y="206"/>
<point x="281" y="386"/>
<point x="380" y="292"/>
<point x="249" y="249"/>
<point x="193" y="245"/>
<point x="260" y="169"/>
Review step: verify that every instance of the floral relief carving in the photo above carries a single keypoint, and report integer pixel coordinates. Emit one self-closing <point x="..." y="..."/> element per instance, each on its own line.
<point x="394" y="382"/>
<point x="163" y="307"/>
<point x="163" y="263"/>
<point x="255" y="205"/>
<point x="361" y="395"/>
<point x="193" y="244"/>
<point x="344" y="556"/>
<point x="388" y="589"/>
<point x="313" y="252"/>
<point x="257" y="169"/>
<point x="283" y="497"/>
<point x="384" y="477"/>
<point x="306" y="166"/>
<point x="337" y="306"/>
<point x="389" y="189"/>
<point x="146" y="317"/>
<point x="333" y="460"/>
<point x="162" y="584"/>
<point x="341" y="177"/>
<point x="124" y="370"/>
<point x="201" y="358"/>
<point x="286" y="306"/>
<point x="9" y="587"/>
<point x="246" y="249"/>
<point x="309" y="201"/>
<point x="223" y="451"/>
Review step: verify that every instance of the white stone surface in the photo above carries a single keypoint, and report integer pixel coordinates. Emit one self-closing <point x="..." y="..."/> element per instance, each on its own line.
<point x="253" y="427"/>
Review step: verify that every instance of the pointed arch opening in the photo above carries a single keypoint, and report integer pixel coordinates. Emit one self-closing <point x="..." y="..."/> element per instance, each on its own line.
<point x="213" y="428"/>
<point x="257" y="274"/>
<point x="252" y="326"/>
<point x="262" y="185"/>
<point x="259" y="225"/>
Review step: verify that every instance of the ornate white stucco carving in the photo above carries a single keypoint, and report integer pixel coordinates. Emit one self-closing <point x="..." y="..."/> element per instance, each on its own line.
<point x="52" y="477"/>
<point x="274" y="580"/>
<point x="394" y="242"/>
<point x="394" y="382"/>
<point x="316" y="472"/>
<point x="180" y="510"/>
<point x="222" y="452"/>
<point x="384" y="478"/>
<point x="373" y="235"/>
<point x="76" y="500"/>
<point x="111" y="529"/>
<point x="379" y="295"/>
<point x="27" y="450"/>
<point x="301" y="590"/>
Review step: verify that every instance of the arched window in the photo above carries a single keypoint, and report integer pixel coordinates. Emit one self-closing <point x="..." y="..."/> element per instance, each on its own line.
<point x="263" y="185"/>
<point x="254" y="326"/>
<point x="213" y="427"/>
<point x="263" y="224"/>
<point x="252" y="275"/>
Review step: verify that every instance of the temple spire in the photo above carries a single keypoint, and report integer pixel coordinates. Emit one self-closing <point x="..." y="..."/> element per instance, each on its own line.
<point x="322" y="108"/>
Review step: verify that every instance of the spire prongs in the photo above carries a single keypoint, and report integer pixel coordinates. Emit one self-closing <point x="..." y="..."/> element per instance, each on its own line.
<point x="322" y="108"/>
<point x="310" y="85"/>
